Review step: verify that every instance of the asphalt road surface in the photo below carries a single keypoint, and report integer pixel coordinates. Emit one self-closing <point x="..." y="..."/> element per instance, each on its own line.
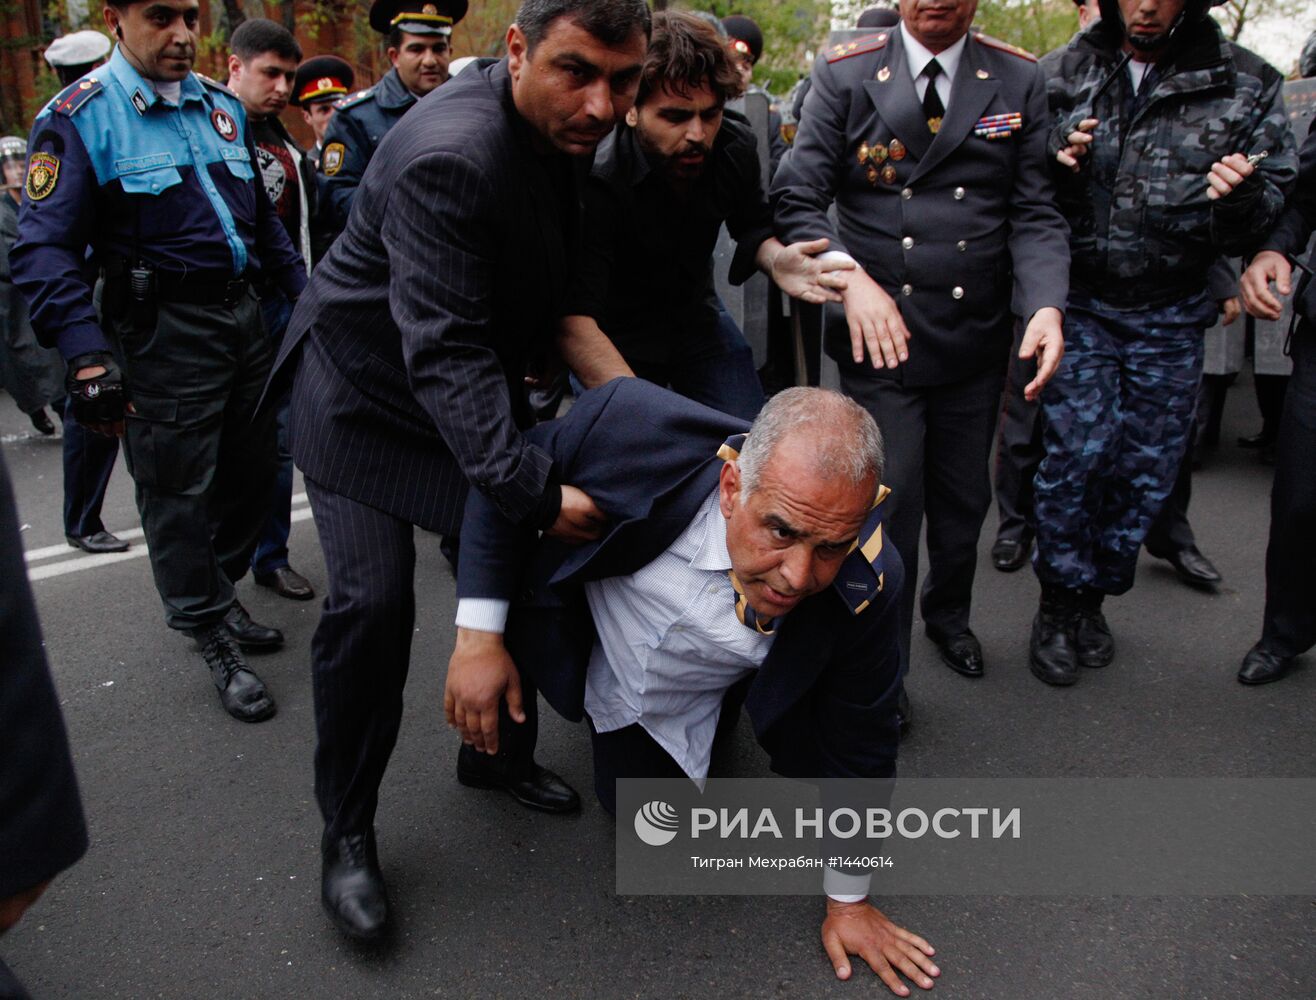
<point x="202" y="877"/>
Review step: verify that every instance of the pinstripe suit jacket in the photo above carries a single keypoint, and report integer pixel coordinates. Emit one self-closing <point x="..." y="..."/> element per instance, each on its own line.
<point x="823" y="703"/>
<point x="411" y="341"/>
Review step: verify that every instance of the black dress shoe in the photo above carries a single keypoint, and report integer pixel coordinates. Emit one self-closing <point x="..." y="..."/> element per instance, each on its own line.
<point x="250" y="634"/>
<point x="241" y="692"/>
<point x="961" y="651"/>
<point x="1010" y="554"/>
<point x="287" y="582"/>
<point x="1052" y="656"/>
<point x="533" y="786"/>
<point x="101" y="541"/>
<point x="352" y="887"/>
<point x="1254" y="441"/>
<point x="1261" y="666"/>
<point x="42" y="422"/>
<point x="1193" y="568"/>
<point x="904" y="713"/>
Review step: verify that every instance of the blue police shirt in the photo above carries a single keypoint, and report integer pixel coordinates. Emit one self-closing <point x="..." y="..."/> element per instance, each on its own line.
<point x="114" y="166"/>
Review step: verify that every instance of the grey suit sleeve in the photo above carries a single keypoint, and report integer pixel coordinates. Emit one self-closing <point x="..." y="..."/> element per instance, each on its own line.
<point x="1039" y="236"/>
<point x="806" y="182"/>
<point x="442" y="231"/>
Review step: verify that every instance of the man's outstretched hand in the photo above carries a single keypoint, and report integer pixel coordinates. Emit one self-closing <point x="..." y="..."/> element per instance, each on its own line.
<point x="864" y="930"/>
<point x="480" y="675"/>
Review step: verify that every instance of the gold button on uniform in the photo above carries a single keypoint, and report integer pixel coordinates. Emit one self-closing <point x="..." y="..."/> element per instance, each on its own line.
<point x="907" y="243"/>
<point x="907" y="290"/>
<point x="957" y="292"/>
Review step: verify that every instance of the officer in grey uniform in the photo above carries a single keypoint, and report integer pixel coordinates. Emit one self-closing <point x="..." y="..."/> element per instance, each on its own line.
<point x="418" y="46"/>
<point x="932" y="141"/>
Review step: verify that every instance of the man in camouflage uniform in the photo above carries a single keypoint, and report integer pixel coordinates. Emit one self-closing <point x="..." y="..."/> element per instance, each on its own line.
<point x="1158" y="175"/>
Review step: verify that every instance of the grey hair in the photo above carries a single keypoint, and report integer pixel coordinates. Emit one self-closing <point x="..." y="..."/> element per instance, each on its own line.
<point x="844" y="437"/>
<point x="612" y="22"/>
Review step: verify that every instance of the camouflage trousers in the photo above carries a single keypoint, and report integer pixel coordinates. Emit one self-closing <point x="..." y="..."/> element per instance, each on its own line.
<point x="1117" y="418"/>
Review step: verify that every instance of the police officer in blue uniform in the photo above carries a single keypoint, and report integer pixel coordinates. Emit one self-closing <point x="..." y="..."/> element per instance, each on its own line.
<point x="152" y="167"/>
<point x="418" y="46"/>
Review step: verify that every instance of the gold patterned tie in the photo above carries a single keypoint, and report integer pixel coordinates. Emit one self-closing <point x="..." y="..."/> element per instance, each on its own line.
<point x="745" y="613"/>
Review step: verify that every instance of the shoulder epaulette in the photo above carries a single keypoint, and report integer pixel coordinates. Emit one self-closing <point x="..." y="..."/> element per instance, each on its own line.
<point x="215" y="85"/>
<point x="354" y="99"/>
<point x="75" y="95"/>
<point x="996" y="43"/>
<point x="869" y="43"/>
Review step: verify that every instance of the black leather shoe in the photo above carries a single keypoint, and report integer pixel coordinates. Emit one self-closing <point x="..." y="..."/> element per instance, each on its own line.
<point x="1094" y="645"/>
<point x="101" y="541"/>
<point x="1052" y="656"/>
<point x="538" y="787"/>
<point x="241" y="692"/>
<point x="904" y="713"/>
<point x="961" y="651"/>
<point x="1261" y="666"/>
<point x="1253" y="441"/>
<point x="1010" y="554"/>
<point x="1193" y="568"/>
<point x="352" y="887"/>
<point x="287" y="582"/>
<point x="42" y="422"/>
<point x="250" y="634"/>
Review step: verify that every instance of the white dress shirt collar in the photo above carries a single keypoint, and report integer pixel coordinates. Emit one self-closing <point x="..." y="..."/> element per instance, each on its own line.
<point x="918" y="56"/>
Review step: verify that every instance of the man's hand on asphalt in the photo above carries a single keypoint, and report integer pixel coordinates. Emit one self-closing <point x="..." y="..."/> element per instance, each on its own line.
<point x="864" y="930"/>
<point x="1045" y="339"/>
<point x="876" y="326"/>
<point x="1079" y="140"/>
<point x="1227" y="174"/>
<point x="480" y="675"/>
<point x="579" y="520"/>
<point x="1258" y="299"/>
<point x="801" y="274"/>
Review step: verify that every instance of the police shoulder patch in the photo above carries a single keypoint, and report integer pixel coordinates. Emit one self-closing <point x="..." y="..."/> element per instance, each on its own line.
<point x="869" y="43"/>
<point x="215" y="85"/>
<point x="1000" y="46"/>
<point x="331" y="160"/>
<point x="42" y="175"/>
<point x="75" y="95"/>
<point x="357" y="98"/>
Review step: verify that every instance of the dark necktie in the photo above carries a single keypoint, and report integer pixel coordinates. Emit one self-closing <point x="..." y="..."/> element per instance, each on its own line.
<point x="745" y="613"/>
<point x="933" y="109"/>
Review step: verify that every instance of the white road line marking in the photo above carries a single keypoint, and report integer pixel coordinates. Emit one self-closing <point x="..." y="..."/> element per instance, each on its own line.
<point x="131" y="534"/>
<point x="67" y="566"/>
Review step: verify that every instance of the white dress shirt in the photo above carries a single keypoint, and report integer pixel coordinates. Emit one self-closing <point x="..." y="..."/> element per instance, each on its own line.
<point x="670" y="644"/>
<point x="917" y="57"/>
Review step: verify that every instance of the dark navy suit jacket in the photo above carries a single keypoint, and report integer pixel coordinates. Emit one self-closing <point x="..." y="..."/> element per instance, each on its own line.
<point x="823" y="704"/>
<point x="414" y="333"/>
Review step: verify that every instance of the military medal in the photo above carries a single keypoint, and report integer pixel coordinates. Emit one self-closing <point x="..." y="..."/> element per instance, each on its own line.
<point x="897" y="149"/>
<point x="42" y="175"/>
<point x="888" y="174"/>
<point x="992" y="127"/>
<point x="872" y="175"/>
<point x="934" y="124"/>
<point x="224" y="124"/>
<point x="883" y="75"/>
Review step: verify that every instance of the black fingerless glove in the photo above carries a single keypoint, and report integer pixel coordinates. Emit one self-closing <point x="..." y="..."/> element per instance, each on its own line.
<point x="99" y="400"/>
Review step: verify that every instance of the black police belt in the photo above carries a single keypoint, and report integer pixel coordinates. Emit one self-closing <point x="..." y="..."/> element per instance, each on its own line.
<point x="201" y="288"/>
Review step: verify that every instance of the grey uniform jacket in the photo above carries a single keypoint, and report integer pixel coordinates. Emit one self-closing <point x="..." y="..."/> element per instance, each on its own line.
<point x="960" y="227"/>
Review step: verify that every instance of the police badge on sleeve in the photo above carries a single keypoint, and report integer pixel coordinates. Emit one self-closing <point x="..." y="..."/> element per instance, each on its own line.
<point x="42" y="175"/>
<point x="224" y="124"/>
<point x="332" y="160"/>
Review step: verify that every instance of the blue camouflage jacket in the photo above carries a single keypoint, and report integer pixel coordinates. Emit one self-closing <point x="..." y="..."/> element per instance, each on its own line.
<point x="1142" y="230"/>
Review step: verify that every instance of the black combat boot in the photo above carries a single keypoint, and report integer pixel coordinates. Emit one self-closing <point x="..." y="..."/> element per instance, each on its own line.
<point x="1093" y="643"/>
<point x="1052" y="656"/>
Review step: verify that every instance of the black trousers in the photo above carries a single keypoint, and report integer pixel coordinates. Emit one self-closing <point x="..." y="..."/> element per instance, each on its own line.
<point x="202" y="459"/>
<point x="360" y="655"/>
<point x="1289" y="626"/>
<point x="88" y="461"/>
<point x="938" y="443"/>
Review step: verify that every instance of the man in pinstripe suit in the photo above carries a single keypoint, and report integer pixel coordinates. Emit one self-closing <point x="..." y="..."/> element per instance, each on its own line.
<point x="409" y="349"/>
